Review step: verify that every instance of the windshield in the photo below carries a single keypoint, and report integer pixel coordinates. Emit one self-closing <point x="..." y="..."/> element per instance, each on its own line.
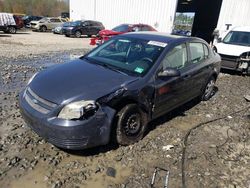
<point x="121" y="28"/>
<point x="238" y="37"/>
<point x="76" y="23"/>
<point x="130" y="56"/>
<point x="43" y="20"/>
<point x="66" y="24"/>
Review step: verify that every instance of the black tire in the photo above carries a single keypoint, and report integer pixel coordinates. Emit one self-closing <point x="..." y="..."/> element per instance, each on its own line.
<point x="12" y="30"/>
<point x="43" y="28"/>
<point x="67" y="35"/>
<point x="131" y="125"/>
<point x="214" y="49"/>
<point x="248" y="71"/>
<point x="78" y="34"/>
<point x="208" y="90"/>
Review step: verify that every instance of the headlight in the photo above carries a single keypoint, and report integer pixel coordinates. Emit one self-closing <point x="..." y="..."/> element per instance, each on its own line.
<point x="78" y="110"/>
<point x="30" y="80"/>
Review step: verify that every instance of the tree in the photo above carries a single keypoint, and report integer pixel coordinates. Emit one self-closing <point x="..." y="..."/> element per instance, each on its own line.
<point x="34" y="7"/>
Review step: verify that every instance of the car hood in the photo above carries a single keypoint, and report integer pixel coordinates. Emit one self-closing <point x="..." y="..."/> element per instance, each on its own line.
<point x="109" y="32"/>
<point x="77" y="80"/>
<point x="230" y="49"/>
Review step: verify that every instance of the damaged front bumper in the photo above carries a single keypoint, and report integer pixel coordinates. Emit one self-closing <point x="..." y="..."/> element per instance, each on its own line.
<point x="241" y="63"/>
<point x="70" y="134"/>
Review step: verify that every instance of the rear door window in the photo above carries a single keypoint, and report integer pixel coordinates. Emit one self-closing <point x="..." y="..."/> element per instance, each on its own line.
<point x="197" y="52"/>
<point x="55" y="20"/>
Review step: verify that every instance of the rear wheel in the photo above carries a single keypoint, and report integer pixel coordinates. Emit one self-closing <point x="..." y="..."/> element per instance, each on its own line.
<point x="131" y="125"/>
<point x="12" y="30"/>
<point x="78" y="34"/>
<point x="208" y="92"/>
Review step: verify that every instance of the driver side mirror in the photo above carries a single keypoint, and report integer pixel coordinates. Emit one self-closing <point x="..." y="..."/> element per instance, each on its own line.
<point x="169" y="72"/>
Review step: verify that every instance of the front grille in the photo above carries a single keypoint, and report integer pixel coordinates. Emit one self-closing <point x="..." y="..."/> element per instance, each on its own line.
<point x="33" y="24"/>
<point x="39" y="104"/>
<point x="229" y="57"/>
<point x="68" y="143"/>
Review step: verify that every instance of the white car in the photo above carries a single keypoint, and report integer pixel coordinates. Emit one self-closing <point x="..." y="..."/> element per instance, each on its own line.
<point x="234" y="49"/>
<point x="46" y="24"/>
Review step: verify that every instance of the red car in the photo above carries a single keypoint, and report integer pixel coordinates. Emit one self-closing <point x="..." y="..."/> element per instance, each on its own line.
<point x="105" y="35"/>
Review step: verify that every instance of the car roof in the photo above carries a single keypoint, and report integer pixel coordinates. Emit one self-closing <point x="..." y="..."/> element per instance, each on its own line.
<point x="158" y="36"/>
<point x="242" y="28"/>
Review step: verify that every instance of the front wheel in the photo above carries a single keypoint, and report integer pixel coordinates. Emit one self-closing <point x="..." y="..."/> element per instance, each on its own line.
<point x="78" y="34"/>
<point x="131" y="124"/>
<point x="209" y="89"/>
<point x="43" y="28"/>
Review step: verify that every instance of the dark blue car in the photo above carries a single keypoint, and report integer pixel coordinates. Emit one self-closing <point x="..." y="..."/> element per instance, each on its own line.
<point x="117" y="88"/>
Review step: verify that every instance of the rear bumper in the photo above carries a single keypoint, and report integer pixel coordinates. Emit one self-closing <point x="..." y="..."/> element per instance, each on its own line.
<point x="69" y="134"/>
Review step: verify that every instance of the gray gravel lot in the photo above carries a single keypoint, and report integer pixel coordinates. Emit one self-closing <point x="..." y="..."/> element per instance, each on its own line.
<point x="217" y="154"/>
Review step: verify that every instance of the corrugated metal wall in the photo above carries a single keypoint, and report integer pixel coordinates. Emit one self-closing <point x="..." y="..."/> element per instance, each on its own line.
<point x="235" y="12"/>
<point x="157" y="13"/>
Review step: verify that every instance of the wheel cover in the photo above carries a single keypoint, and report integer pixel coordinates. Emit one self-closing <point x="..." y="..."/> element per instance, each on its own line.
<point x="78" y="34"/>
<point x="209" y="88"/>
<point x="132" y="125"/>
<point x="12" y="30"/>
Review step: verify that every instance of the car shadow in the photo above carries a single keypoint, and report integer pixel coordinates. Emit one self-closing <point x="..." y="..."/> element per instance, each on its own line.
<point x="5" y="35"/>
<point x="180" y="111"/>
<point x="22" y="33"/>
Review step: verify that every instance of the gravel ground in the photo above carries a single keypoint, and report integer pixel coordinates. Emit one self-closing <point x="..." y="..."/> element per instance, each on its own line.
<point x="217" y="154"/>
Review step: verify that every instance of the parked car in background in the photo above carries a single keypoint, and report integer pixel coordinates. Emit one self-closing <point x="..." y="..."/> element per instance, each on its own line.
<point x="27" y="19"/>
<point x="65" y="15"/>
<point x="234" y="49"/>
<point x="104" y="35"/>
<point x="115" y="90"/>
<point x="59" y="29"/>
<point x="10" y="23"/>
<point x="85" y="27"/>
<point x="47" y="23"/>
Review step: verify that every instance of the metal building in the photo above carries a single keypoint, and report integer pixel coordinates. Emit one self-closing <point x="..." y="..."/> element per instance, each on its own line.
<point x="161" y="14"/>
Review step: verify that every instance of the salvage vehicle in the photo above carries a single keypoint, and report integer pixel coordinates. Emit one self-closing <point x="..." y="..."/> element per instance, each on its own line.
<point x="105" y="35"/>
<point x="10" y="23"/>
<point x="117" y="88"/>
<point x="27" y="19"/>
<point x="85" y="27"/>
<point x="46" y="24"/>
<point x="234" y="50"/>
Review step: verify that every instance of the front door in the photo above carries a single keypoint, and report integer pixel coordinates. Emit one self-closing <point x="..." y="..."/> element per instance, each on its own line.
<point x="172" y="91"/>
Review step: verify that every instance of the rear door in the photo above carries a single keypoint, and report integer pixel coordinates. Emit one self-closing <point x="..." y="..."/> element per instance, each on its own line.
<point x="93" y="28"/>
<point x="198" y="67"/>
<point x="85" y="28"/>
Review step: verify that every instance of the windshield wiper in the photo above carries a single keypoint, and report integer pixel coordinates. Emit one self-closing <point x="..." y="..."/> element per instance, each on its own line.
<point x="105" y="65"/>
<point x="116" y="69"/>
